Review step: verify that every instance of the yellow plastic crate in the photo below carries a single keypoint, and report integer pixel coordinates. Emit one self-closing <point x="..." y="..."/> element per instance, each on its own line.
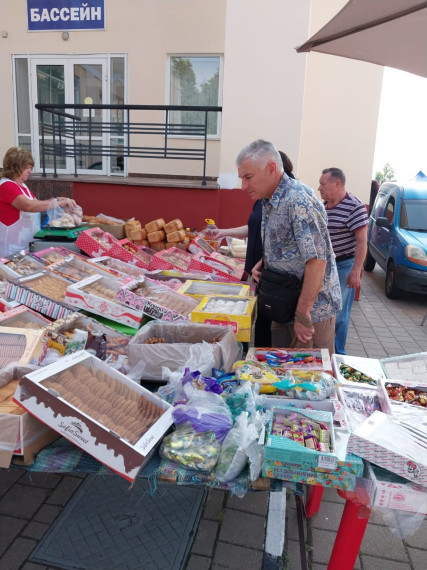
<point x="241" y="324"/>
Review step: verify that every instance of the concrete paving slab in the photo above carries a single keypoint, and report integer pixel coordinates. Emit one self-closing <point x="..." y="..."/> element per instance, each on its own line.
<point x="372" y="563"/>
<point x="22" y="501"/>
<point x="213" y="509"/>
<point x="418" y="558"/>
<point x="419" y="538"/>
<point x="10" y="529"/>
<point x="243" y="529"/>
<point x="256" y="503"/>
<point x="205" y="539"/>
<point x="235" y="557"/>
<point x="328" y="517"/>
<point x="379" y="541"/>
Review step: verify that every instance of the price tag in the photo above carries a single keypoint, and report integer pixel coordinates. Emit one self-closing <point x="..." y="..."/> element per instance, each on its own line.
<point x="327" y="461"/>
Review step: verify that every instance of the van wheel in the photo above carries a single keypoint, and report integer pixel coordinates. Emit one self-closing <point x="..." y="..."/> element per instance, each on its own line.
<point x="369" y="263"/>
<point x="391" y="291"/>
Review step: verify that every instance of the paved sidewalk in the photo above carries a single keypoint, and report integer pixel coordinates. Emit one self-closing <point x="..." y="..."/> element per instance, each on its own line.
<point x="231" y="532"/>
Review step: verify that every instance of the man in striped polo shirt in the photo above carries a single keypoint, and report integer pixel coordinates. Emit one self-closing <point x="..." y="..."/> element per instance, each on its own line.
<point x="348" y="228"/>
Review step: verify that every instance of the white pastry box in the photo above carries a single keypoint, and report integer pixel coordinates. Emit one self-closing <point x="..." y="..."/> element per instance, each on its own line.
<point x="97" y="294"/>
<point x="390" y="491"/>
<point x="368" y="371"/>
<point x="21" y="434"/>
<point x="100" y="410"/>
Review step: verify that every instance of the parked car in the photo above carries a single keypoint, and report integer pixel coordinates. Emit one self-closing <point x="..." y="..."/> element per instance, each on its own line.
<point x="397" y="236"/>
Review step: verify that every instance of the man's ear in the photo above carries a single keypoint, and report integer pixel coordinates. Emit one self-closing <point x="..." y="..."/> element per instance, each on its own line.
<point x="271" y="167"/>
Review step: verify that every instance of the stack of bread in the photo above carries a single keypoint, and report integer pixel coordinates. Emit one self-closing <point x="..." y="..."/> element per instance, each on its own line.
<point x="136" y="233"/>
<point x="162" y="235"/>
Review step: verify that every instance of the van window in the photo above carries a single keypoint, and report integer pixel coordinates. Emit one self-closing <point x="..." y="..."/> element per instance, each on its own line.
<point x="415" y="215"/>
<point x="389" y="211"/>
<point x="379" y="205"/>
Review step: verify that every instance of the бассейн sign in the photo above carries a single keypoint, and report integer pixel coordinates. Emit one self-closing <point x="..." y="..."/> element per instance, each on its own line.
<point x="66" y="15"/>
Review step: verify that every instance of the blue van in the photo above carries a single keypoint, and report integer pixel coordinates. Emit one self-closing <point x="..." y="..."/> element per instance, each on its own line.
<point x="397" y="236"/>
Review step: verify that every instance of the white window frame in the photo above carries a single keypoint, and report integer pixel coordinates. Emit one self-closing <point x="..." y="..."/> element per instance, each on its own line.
<point x="220" y="84"/>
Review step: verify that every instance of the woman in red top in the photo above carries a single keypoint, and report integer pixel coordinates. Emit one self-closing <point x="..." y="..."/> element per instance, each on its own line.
<point x="19" y="208"/>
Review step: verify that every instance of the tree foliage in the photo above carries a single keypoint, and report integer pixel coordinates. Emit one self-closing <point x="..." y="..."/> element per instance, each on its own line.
<point x="387" y="174"/>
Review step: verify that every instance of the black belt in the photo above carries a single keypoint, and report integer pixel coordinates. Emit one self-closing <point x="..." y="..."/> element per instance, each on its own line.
<point x="344" y="257"/>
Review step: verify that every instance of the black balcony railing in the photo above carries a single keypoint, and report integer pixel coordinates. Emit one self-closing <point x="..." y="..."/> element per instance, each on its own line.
<point x="110" y="130"/>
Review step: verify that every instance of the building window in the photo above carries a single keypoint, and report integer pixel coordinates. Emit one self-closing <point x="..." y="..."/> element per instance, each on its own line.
<point x="195" y="80"/>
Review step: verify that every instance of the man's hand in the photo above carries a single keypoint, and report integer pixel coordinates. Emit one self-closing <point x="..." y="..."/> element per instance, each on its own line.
<point x="303" y="332"/>
<point x="256" y="271"/>
<point x="354" y="278"/>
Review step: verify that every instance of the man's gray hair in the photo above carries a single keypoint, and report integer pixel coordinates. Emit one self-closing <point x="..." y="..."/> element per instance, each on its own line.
<point x="261" y="152"/>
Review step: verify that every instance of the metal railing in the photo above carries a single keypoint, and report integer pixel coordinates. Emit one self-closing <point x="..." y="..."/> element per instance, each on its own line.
<point x="80" y="135"/>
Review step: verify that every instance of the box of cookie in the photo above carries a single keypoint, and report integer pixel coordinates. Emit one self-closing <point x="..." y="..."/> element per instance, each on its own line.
<point x="117" y="267"/>
<point x="53" y="255"/>
<point x="198" y="289"/>
<point x="98" y="295"/>
<point x="236" y="313"/>
<point x="19" y="265"/>
<point x="156" y="300"/>
<point x="23" y="317"/>
<point x="22" y="345"/>
<point x="100" y="410"/>
<point x="22" y="434"/>
<point x="102" y="341"/>
<point x="127" y="251"/>
<point x="95" y="242"/>
<point x="237" y="265"/>
<point x="76" y="269"/>
<point x="44" y="292"/>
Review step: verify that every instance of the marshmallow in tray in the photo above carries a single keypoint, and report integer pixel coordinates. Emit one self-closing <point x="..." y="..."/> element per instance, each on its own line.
<point x="217" y="305"/>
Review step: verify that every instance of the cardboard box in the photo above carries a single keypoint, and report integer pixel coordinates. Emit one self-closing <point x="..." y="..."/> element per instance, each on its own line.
<point x="95" y="242"/>
<point x="23" y="317"/>
<point x="343" y="476"/>
<point x="60" y="396"/>
<point x="116" y="230"/>
<point x="359" y="403"/>
<point x="127" y="251"/>
<point x="182" y="343"/>
<point x="24" y="291"/>
<point x="285" y="450"/>
<point x="290" y="358"/>
<point x="199" y="245"/>
<point x="406" y="367"/>
<point x="21" y="433"/>
<point x="51" y="255"/>
<point x="58" y="333"/>
<point x="84" y="296"/>
<point x="369" y="366"/>
<point x="27" y="346"/>
<point x="198" y="289"/>
<point x="156" y="300"/>
<point x="393" y="492"/>
<point x="391" y="406"/>
<point x="76" y="269"/>
<point x="240" y="324"/>
<point x="237" y="266"/>
<point x="19" y="265"/>
<point x="118" y="267"/>
<point x="388" y="444"/>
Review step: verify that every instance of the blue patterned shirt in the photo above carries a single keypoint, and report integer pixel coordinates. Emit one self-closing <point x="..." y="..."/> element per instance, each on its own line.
<point x="294" y="230"/>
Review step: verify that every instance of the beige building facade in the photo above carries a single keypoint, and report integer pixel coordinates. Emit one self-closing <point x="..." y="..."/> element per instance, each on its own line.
<point x="237" y="54"/>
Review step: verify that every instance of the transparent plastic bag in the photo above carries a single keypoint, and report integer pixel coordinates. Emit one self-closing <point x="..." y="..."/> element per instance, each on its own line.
<point x="194" y="449"/>
<point x="58" y="217"/>
<point x="205" y="411"/>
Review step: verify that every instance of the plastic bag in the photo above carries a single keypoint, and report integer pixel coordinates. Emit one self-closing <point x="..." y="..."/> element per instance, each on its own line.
<point x="205" y="411"/>
<point x="242" y="399"/>
<point x="196" y="450"/>
<point x="58" y="217"/>
<point x="257" y="372"/>
<point x="307" y="385"/>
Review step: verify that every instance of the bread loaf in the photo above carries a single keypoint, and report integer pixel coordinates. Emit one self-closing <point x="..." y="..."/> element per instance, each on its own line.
<point x="130" y="226"/>
<point x="155" y="225"/>
<point x="139" y="234"/>
<point x="144" y="242"/>
<point x="173" y="226"/>
<point x="178" y="235"/>
<point x="156" y="236"/>
<point x="159" y="245"/>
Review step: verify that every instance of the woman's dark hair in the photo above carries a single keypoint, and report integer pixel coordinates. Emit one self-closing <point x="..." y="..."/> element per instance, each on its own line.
<point x="287" y="164"/>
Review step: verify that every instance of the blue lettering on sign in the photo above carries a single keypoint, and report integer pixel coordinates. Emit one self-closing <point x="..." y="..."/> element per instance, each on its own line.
<point x="66" y="15"/>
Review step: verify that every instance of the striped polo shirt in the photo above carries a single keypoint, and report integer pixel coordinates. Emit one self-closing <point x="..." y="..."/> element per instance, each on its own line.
<point x="343" y="219"/>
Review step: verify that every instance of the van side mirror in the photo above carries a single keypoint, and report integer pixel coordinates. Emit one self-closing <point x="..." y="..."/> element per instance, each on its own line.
<point x="383" y="223"/>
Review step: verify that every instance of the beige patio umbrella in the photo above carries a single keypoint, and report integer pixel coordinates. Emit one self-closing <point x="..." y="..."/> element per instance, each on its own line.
<point x="387" y="32"/>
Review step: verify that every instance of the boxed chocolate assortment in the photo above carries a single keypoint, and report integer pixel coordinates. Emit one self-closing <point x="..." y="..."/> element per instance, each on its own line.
<point x="173" y="345"/>
<point x="98" y="409"/>
<point x="98" y="295"/>
<point x="43" y="292"/>
<point x="357" y="371"/>
<point x="236" y="313"/>
<point x="102" y="341"/>
<point x="406" y="393"/>
<point x="156" y="300"/>
<point x="21" y="433"/>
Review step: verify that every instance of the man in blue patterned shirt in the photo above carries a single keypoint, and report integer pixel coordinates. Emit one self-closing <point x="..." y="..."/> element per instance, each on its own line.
<point x="295" y="240"/>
